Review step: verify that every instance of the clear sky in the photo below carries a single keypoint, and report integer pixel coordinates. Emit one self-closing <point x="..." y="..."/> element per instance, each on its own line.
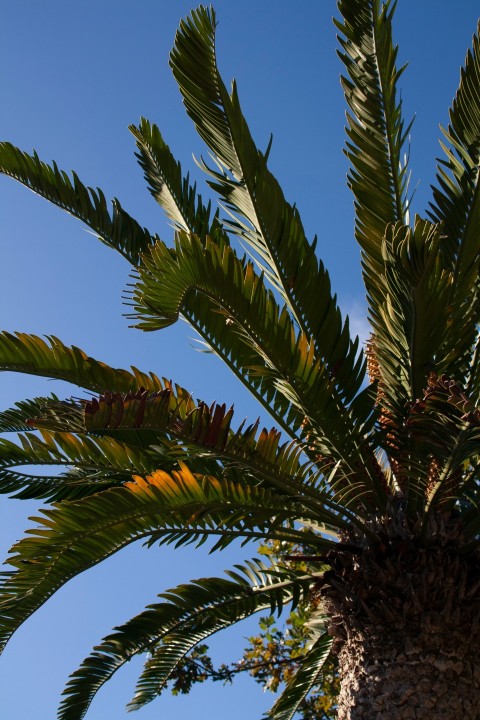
<point x="73" y="76"/>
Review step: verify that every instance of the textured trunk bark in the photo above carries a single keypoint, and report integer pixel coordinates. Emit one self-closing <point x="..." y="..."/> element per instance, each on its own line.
<point x="408" y="683"/>
<point x="406" y="624"/>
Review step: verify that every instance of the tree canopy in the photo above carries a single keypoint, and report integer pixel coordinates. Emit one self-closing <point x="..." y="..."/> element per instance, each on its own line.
<point x="371" y="470"/>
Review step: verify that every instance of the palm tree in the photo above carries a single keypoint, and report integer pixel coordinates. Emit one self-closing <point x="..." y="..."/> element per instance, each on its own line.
<point x="372" y="469"/>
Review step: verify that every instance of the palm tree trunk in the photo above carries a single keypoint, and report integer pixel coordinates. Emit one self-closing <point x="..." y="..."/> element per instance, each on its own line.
<point x="406" y="623"/>
<point x="408" y="683"/>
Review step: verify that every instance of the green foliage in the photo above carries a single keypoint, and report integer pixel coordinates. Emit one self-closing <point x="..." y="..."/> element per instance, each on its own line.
<point x="272" y="658"/>
<point x="352" y="466"/>
<point x="116" y="229"/>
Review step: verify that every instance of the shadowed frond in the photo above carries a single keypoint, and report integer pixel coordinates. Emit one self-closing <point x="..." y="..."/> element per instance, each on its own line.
<point x="15" y="419"/>
<point x="76" y="535"/>
<point x="73" y="466"/>
<point x="411" y="318"/>
<point x="170" y="188"/>
<point x="169" y="629"/>
<point x="379" y="178"/>
<point x="165" y="279"/>
<point x="376" y="131"/>
<point x="210" y="321"/>
<point x="176" y="414"/>
<point x="445" y="424"/>
<point x="270" y="225"/>
<point x="456" y="204"/>
<point x="207" y="431"/>
<point x="308" y="675"/>
<point x="116" y="228"/>
<point x="186" y="210"/>
<point x="33" y="355"/>
<point x="370" y="491"/>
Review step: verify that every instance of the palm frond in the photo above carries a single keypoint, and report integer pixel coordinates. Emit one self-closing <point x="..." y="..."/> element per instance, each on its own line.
<point x="379" y="176"/>
<point x="116" y="228"/>
<point x="176" y="414"/>
<point x="169" y="629"/>
<point x="73" y="466"/>
<point x="74" y="536"/>
<point x="122" y="233"/>
<point x="31" y="354"/>
<point x="456" y="204"/>
<point x="166" y="278"/>
<point x="207" y="431"/>
<point x="445" y="424"/>
<point x="413" y="339"/>
<point x="363" y="475"/>
<point x="376" y="130"/>
<point x="209" y="320"/>
<point x="173" y="192"/>
<point x="270" y="225"/>
<point x="186" y="210"/>
<point x="16" y="418"/>
<point x="306" y="677"/>
<point x="411" y="320"/>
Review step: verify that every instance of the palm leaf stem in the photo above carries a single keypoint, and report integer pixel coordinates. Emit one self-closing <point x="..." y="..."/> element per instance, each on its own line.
<point x="8" y="603"/>
<point x="76" y="536"/>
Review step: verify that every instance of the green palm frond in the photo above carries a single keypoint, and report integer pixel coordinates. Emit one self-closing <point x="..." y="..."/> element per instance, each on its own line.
<point x="379" y="176"/>
<point x="456" y="200"/>
<point x="308" y="675"/>
<point x="445" y="423"/>
<point x="166" y="278"/>
<point x="73" y="466"/>
<point x="16" y="418"/>
<point x="358" y="482"/>
<point x="31" y="354"/>
<point x="185" y="209"/>
<point x="270" y="225"/>
<point x="183" y="507"/>
<point x="376" y="130"/>
<point x="120" y="232"/>
<point x="21" y="352"/>
<point x="412" y="337"/>
<point x="412" y="317"/>
<point x="179" y="201"/>
<point x="198" y="425"/>
<point x="456" y="204"/>
<point x="170" y="188"/>
<point x="169" y="629"/>
<point x="209" y="320"/>
<point x="90" y="207"/>
<point x="116" y="228"/>
<point x="206" y="431"/>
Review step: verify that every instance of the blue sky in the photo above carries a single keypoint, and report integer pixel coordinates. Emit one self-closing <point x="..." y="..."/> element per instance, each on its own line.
<point x="73" y="77"/>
